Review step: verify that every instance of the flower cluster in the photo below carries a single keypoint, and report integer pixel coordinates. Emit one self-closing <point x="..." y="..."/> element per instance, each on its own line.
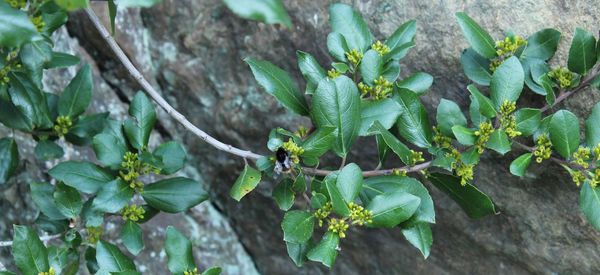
<point x="323" y="212"/>
<point x="398" y="172"/>
<point x="415" y="157"/>
<point x="562" y="76"/>
<point x="333" y="73"/>
<point x="354" y="57"/>
<point x="381" y="90"/>
<point x="17" y="4"/>
<point x="62" y="125"/>
<point x="93" y="234"/>
<point x="380" y="48"/>
<point x="293" y="149"/>
<point x="131" y="169"/>
<point x="440" y="140"/>
<point x="49" y="272"/>
<point x="192" y="272"/>
<point x="543" y="150"/>
<point x="483" y="135"/>
<point x="463" y="170"/>
<point x="133" y="212"/>
<point x="508" y="121"/>
<point x="505" y="49"/>
<point x="338" y="226"/>
<point x="577" y="176"/>
<point x="359" y="215"/>
<point x="302" y="132"/>
<point x="10" y="65"/>
<point x="595" y="178"/>
<point x="582" y="156"/>
<point x="38" y="22"/>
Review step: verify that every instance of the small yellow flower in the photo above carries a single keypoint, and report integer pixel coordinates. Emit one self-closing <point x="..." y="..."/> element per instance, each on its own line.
<point x="49" y="272"/>
<point x="354" y="57"/>
<point x="398" y="172"/>
<point x="323" y="212"/>
<point x="359" y="215"/>
<point x="133" y="212"/>
<point x="192" y="272"/>
<point x="582" y="156"/>
<point x="597" y="152"/>
<point x="505" y="49"/>
<point x="578" y="177"/>
<point x="483" y="135"/>
<point x="543" y="150"/>
<point x="465" y="172"/>
<point x="38" y="22"/>
<point x="364" y="89"/>
<point x="62" y="125"/>
<point x="508" y="121"/>
<point x="93" y="234"/>
<point x="416" y="157"/>
<point x="380" y="48"/>
<point x="333" y="73"/>
<point x="440" y="140"/>
<point x="562" y="76"/>
<point x="17" y="4"/>
<point x="338" y="226"/>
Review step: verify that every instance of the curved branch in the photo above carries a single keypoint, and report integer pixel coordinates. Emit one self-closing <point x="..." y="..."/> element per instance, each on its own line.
<point x="155" y="95"/>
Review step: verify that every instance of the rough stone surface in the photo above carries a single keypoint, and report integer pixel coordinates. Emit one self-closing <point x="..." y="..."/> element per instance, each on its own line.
<point x="193" y="51"/>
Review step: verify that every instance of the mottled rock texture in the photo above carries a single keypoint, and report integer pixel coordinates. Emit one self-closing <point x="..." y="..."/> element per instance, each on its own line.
<point x="193" y="50"/>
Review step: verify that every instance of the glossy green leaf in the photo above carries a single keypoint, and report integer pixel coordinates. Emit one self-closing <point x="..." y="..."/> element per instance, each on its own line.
<point x="592" y="131"/>
<point x="278" y="83"/>
<point x="174" y="195"/>
<point x="131" y="234"/>
<point x="111" y="259"/>
<point x="534" y="69"/>
<point x="401" y="150"/>
<point x="83" y="176"/>
<point x="465" y="136"/>
<point x="390" y="209"/>
<point x="42" y="195"/>
<point x="589" y="203"/>
<point x="386" y="111"/>
<point x="349" y="23"/>
<point x="413" y="124"/>
<point x="520" y="164"/>
<point x="34" y="55"/>
<point x="582" y="54"/>
<point x="67" y="200"/>
<point x="78" y="94"/>
<point x="109" y="151"/>
<point x="47" y="150"/>
<point x="476" y="67"/>
<point x="418" y="82"/>
<point x="179" y="252"/>
<point x="499" y="142"/>
<point x="29" y="100"/>
<point x="528" y="120"/>
<point x="403" y="34"/>
<point x="448" y="115"/>
<point x="542" y="44"/>
<point x="310" y="68"/>
<point x="485" y="105"/>
<point x="470" y="156"/>
<point x="89" y="126"/>
<point x="245" y="183"/>
<point x="371" y="67"/>
<point x="478" y="38"/>
<point x="30" y="254"/>
<point x="398" y="53"/>
<point x="349" y="182"/>
<point x="337" y="103"/>
<point x="507" y="82"/>
<point x="564" y="133"/>
<point x="337" y="46"/>
<point x="15" y="27"/>
<point x="172" y="156"/>
<point x="326" y="251"/>
<point x="319" y="142"/>
<point x="297" y="226"/>
<point x="297" y="252"/>
<point x="64" y="260"/>
<point x="340" y="206"/>
<point x="113" y="196"/>
<point x="142" y="110"/>
<point x="284" y="195"/>
<point x="9" y="158"/>
<point x="475" y="203"/>
<point x="419" y="235"/>
<point x="268" y="11"/>
<point x="12" y="117"/>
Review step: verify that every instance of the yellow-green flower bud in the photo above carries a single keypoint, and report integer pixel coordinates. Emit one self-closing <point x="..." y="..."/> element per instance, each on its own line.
<point x="465" y="172"/>
<point x="302" y="132"/>
<point x="338" y="226"/>
<point x="133" y="212"/>
<point x="582" y="156"/>
<point x="192" y="272"/>
<point x="93" y="234"/>
<point x="398" y="172"/>
<point x="380" y="48"/>
<point x="49" y="272"/>
<point x="323" y="212"/>
<point x="416" y="157"/>
<point x="578" y="177"/>
<point x="505" y="49"/>
<point x="440" y="140"/>
<point x="38" y="22"/>
<point x="483" y="135"/>
<point x="62" y="125"/>
<point x="359" y="215"/>
<point x="17" y="4"/>
<point x="354" y="57"/>
<point x="333" y="73"/>
<point x="562" y="76"/>
<point x="543" y="150"/>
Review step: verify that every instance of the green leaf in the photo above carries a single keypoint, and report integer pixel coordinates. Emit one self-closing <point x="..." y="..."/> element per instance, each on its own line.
<point x="413" y="124"/>
<point x="142" y="110"/>
<point x="534" y="70"/>
<point x="475" y="203"/>
<point x="398" y="53"/>
<point x="592" y="131"/>
<point x="486" y="107"/>
<point x="340" y="67"/>
<point x="448" y="115"/>
<point x="499" y="142"/>
<point x="337" y="103"/>
<point x="418" y="82"/>
<point x="29" y="100"/>
<point x="112" y="15"/>
<point x="12" y="117"/>
<point x="403" y="34"/>
<point x="15" y="27"/>
<point x="9" y="158"/>
<point x="278" y="83"/>
<point x="47" y="150"/>
<point x="297" y="252"/>
<point x="465" y="136"/>
<point x="33" y="56"/>
<point x="371" y="67"/>
<point x="589" y="203"/>
<point x="111" y="259"/>
<point x="317" y="143"/>
<point x="246" y="182"/>
<point x="337" y="46"/>
<point x="174" y="195"/>
<point x="471" y="156"/>
<point x="326" y="251"/>
<point x="528" y="120"/>
<point x="478" y="38"/>
<point x="109" y="151"/>
<point x="84" y="176"/>
<point x="548" y="89"/>
<point x="297" y="226"/>
<point x="564" y="133"/>
<point x="349" y="182"/>
<point x="131" y="234"/>
<point x="386" y="111"/>
<point x="582" y="54"/>
<point x="77" y="95"/>
<point x="42" y="195"/>
<point x="268" y="11"/>
<point x="476" y="67"/>
<point x="64" y="260"/>
<point x="179" y="252"/>
<point x="88" y="126"/>
<point x="340" y="206"/>
<point x="310" y="68"/>
<point x="419" y="235"/>
<point x="172" y="156"/>
<point x="390" y="184"/>
<point x="72" y="5"/>
<point x="283" y="194"/>
<point x="542" y="44"/>
<point x="520" y="164"/>
<point x="30" y="254"/>
<point x="348" y="22"/>
<point x="507" y="82"/>
<point x="392" y="142"/>
<point x="68" y="201"/>
<point x="390" y="209"/>
<point x="113" y="197"/>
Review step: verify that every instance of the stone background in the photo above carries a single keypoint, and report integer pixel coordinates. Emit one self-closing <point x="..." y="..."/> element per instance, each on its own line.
<point x="192" y="50"/>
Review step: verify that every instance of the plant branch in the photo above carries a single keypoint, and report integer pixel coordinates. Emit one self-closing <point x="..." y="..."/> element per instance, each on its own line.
<point x="43" y="239"/>
<point x="372" y="173"/>
<point x="584" y="83"/>
<point x="155" y="95"/>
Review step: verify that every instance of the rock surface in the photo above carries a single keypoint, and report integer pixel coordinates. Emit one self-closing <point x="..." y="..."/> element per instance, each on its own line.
<point x="193" y="51"/>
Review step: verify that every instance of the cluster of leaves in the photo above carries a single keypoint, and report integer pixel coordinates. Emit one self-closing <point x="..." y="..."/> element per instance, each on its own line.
<point x="75" y="202"/>
<point x="361" y="96"/>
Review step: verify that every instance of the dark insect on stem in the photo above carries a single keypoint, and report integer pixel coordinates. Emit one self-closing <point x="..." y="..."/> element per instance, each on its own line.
<point x="282" y="161"/>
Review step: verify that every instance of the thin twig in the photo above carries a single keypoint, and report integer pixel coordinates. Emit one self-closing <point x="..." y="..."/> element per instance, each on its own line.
<point x="155" y="95"/>
<point x="372" y="173"/>
<point x="594" y="72"/>
<point x="43" y="239"/>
